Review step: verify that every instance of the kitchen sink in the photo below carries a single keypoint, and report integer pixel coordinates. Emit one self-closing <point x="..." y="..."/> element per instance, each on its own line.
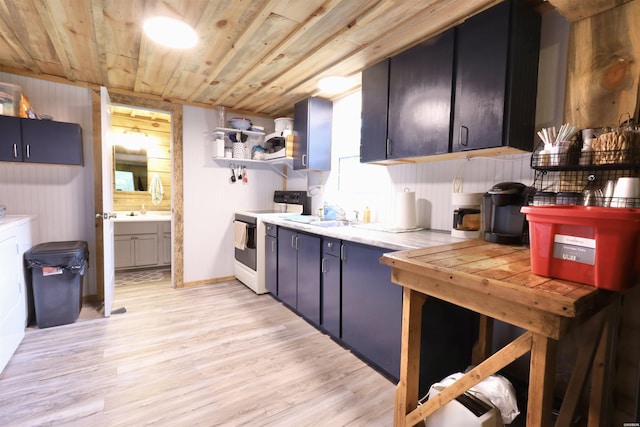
<point x="316" y="221"/>
<point x="331" y="223"/>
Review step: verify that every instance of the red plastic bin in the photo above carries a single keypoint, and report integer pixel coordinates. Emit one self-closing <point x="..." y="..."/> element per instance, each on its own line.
<point x="587" y="244"/>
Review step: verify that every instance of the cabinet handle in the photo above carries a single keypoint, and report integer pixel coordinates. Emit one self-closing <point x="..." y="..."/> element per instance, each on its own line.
<point x="322" y="266"/>
<point x="296" y="243"/>
<point x="15" y="151"/>
<point x="466" y="136"/>
<point x="388" y="147"/>
<point x="293" y="245"/>
<point x="330" y="245"/>
<point x="28" y="150"/>
<point x="273" y="246"/>
<point x="342" y="257"/>
<point x="304" y="160"/>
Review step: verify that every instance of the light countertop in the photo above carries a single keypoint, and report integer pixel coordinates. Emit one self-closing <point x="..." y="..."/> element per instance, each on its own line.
<point x="138" y="217"/>
<point x="369" y="235"/>
<point x="9" y="221"/>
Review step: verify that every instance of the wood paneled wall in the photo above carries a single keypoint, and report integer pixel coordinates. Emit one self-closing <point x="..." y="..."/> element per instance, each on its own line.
<point x="158" y="129"/>
<point x="602" y="67"/>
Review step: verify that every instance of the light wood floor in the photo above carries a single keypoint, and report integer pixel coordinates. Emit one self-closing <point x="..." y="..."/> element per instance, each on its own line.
<point x="213" y="355"/>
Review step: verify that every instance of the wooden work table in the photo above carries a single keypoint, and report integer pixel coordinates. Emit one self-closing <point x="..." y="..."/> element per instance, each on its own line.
<point x="496" y="282"/>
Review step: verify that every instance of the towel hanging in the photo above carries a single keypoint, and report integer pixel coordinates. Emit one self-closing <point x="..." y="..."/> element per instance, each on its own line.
<point x="156" y="189"/>
<point x="240" y="235"/>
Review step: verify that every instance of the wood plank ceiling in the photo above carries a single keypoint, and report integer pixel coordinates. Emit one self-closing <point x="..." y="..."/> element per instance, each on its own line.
<point x="258" y="56"/>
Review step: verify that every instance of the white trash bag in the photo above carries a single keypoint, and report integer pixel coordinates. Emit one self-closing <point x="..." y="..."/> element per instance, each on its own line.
<point x="497" y="389"/>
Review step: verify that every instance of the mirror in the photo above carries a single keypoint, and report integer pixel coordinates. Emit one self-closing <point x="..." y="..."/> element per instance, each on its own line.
<point x="130" y="168"/>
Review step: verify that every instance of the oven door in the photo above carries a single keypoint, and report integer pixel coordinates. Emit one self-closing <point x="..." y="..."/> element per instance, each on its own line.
<point x="248" y="255"/>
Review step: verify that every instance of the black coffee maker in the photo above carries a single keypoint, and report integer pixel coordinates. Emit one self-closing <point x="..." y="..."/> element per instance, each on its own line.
<point x="503" y="221"/>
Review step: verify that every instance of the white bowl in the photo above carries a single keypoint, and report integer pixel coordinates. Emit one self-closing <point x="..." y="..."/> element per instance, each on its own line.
<point x="240" y="123"/>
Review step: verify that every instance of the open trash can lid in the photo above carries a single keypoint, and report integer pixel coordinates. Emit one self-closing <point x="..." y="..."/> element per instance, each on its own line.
<point x="70" y="255"/>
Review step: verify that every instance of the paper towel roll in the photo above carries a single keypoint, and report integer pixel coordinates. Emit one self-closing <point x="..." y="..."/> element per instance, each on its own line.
<point x="405" y="210"/>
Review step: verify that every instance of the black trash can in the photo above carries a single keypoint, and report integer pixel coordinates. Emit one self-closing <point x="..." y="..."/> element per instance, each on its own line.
<point x="57" y="270"/>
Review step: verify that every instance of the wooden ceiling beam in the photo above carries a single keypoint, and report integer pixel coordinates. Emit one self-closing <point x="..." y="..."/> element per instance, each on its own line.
<point x="246" y="35"/>
<point x="14" y="42"/>
<point x="48" y="22"/>
<point x="575" y="10"/>
<point x="311" y="20"/>
<point x="439" y="13"/>
<point x="97" y="14"/>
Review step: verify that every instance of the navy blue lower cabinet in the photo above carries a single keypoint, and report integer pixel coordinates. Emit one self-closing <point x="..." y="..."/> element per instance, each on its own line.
<point x="371" y="308"/>
<point x="331" y="287"/>
<point x="309" y="277"/>
<point x="287" y="267"/>
<point x="299" y="272"/>
<point x="271" y="262"/>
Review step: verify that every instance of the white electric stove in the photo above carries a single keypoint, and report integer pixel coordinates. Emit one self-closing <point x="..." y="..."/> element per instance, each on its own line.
<point x="249" y="264"/>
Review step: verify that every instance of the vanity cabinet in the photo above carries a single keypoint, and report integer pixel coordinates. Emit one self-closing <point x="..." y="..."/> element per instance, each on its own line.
<point x="271" y="258"/>
<point x="165" y="228"/>
<point x="406" y="102"/>
<point x="312" y="134"/>
<point x="496" y="78"/>
<point x="331" y="287"/>
<point x="40" y="141"/>
<point x="142" y="244"/>
<point x="299" y="275"/>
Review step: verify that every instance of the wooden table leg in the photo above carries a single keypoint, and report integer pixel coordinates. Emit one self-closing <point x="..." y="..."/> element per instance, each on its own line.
<point x="406" y="398"/>
<point x="541" y="381"/>
<point x="602" y="370"/>
<point x="483" y="347"/>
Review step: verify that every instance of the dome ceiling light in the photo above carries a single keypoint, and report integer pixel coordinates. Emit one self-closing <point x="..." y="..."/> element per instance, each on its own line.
<point x="170" y="32"/>
<point x="333" y="84"/>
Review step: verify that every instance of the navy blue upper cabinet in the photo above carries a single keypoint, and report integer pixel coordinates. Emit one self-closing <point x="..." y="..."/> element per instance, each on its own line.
<point x="312" y="134"/>
<point x="40" y="141"/>
<point x="10" y="142"/>
<point x="420" y="89"/>
<point x="406" y="102"/>
<point x="496" y="78"/>
<point x="375" y="107"/>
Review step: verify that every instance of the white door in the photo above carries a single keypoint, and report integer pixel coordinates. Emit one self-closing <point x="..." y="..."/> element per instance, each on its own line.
<point x="107" y="202"/>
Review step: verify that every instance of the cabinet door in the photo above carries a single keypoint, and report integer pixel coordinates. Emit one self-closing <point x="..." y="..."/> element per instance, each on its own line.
<point x="271" y="264"/>
<point x="375" y="104"/>
<point x="166" y="248"/>
<point x="331" y="287"/>
<point x="146" y="250"/>
<point x="420" y="92"/>
<point x="309" y="277"/>
<point x="11" y="142"/>
<point x="312" y="130"/>
<point x="371" y="307"/>
<point x="287" y="267"/>
<point x="46" y="141"/>
<point x="481" y="70"/>
<point x="123" y="251"/>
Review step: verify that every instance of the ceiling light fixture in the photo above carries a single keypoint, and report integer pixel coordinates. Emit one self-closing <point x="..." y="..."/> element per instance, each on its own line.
<point x="333" y="84"/>
<point x="170" y="32"/>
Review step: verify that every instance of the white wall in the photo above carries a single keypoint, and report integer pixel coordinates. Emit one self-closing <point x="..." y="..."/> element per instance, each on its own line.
<point x="61" y="196"/>
<point x="210" y="199"/>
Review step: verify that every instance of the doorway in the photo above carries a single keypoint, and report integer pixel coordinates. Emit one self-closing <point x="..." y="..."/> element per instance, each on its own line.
<point x="142" y="151"/>
<point x="177" y="223"/>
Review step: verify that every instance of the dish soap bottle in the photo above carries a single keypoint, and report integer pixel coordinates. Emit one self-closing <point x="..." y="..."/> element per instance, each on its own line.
<point x="143" y="210"/>
<point x="366" y="215"/>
